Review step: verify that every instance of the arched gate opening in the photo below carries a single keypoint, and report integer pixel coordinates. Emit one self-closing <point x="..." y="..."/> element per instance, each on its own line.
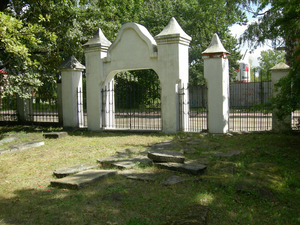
<point x="133" y="101"/>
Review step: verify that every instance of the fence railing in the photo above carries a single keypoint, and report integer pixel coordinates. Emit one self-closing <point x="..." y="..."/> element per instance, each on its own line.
<point x="249" y="108"/>
<point x="44" y="110"/>
<point x="8" y="109"/>
<point x="32" y="110"/>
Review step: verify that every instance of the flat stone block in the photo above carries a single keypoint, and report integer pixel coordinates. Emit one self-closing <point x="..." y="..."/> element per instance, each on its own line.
<point x="130" y="163"/>
<point x="55" y="135"/>
<point x="81" y="179"/>
<point x="188" y="167"/>
<point x="166" y="156"/>
<point x="63" y="172"/>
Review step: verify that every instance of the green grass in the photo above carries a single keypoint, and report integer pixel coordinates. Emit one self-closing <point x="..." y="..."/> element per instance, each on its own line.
<point x="262" y="186"/>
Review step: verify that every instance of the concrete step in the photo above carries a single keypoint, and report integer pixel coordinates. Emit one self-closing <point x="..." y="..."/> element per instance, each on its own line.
<point x="81" y="179"/>
<point x="63" y="172"/>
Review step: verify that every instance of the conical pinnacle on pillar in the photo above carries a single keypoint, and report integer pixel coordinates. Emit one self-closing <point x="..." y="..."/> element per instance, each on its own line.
<point x="215" y="46"/>
<point x="98" y="39"/>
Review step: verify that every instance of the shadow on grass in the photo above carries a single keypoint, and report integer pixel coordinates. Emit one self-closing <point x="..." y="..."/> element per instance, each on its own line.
<point x="120" y="201"/>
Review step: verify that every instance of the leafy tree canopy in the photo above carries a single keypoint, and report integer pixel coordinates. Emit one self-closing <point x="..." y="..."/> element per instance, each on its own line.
<point x="279" y="22"/>
<point x="37" y="35"/>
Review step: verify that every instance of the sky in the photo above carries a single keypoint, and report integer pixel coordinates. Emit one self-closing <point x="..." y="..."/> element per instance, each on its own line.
<point x="237" y="31"/>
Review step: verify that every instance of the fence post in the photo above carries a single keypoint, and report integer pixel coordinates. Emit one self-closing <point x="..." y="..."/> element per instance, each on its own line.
<point x="24" y="109"/>
<point x="279" y="71"/>
<point x="59" y="102"/>
<point x="216" y="71"/>
<point x="71" y="81"/>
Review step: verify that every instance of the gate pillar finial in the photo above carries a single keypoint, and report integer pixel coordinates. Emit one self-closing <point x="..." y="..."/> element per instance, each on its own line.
<point x="216" y="71"/>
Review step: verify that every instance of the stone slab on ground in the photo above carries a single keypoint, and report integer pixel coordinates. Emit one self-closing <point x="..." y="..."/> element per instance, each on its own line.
<point x="140" y="176"/>
<point x="107" y="161"/>
<point x="166" y="156"/>
<point x="81" y="179"/>
<point x="188" y="167"/>
<point x="55" y="135"/>
<point x="7" y="139"/>
<point x="174" y="180"/>
<point x="66" y="171"/>
<point x="132" y="162"/>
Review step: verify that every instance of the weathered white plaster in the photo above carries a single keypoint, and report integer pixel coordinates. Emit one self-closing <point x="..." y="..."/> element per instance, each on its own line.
<point x="279" y="71"/>
<point x="216" y="72"/>
<point x="135" y="49"/>
<point x="71" y="82"/>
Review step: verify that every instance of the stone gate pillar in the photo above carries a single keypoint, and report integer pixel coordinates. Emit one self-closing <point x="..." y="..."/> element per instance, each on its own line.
<point x="216" y="72"/>
<point x="95" y="50"/>
<point x="173" y="54"/>
<point x="279" y="71"/>
<point x="71" y="74"/>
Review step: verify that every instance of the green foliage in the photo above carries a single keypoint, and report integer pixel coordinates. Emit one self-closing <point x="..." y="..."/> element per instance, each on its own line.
<point x="270" y="58"/>
<point x="288" y="99"/>
<point x="279" y="22"/>
<point x="37" y="36"/>
<point x="267" y="60"/>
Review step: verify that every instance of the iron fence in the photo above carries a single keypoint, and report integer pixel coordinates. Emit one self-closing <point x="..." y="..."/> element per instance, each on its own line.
<point x="296" y="120"/>
<point x="250" y="106"/>
<point x="43" y="110"/>
<point x="33" y="110"/>
<point x="8" y="109"/>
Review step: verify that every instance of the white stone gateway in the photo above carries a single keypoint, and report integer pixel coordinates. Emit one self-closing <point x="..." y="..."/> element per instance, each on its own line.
<point x="135" y="49"/>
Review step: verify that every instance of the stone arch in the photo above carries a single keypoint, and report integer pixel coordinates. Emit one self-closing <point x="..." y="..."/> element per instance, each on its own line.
<point x="135" y="49"/>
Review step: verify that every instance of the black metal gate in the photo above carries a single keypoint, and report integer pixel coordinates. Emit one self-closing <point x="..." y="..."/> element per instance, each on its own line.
<point x="132" y="102"/>
<point x="197" y="108"/>
<point x="82" y="107"/>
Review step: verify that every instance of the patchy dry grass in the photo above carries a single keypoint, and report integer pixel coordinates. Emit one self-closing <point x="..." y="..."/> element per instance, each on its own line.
<point x="261" y="186"/>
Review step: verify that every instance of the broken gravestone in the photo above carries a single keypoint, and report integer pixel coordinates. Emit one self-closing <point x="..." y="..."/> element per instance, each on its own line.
<point x="81" y="179"/>
<point x="188" y="167"/>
